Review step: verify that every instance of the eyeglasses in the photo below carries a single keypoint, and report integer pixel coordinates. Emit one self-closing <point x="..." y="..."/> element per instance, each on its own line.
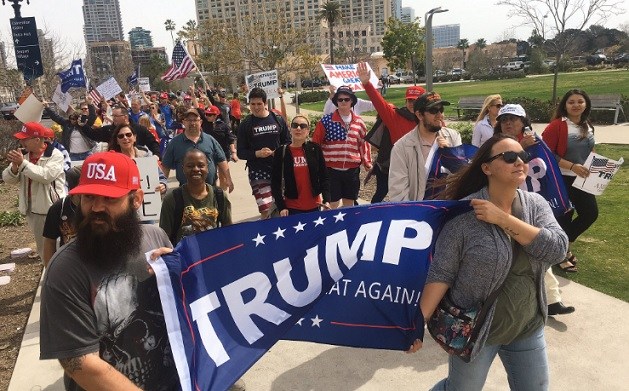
<point x="510" y="157"/>
<point x="344" y="99"/>
<point x="295" y="125"/>
<point x="435" y="110"/>
<point x="123" y="135"/>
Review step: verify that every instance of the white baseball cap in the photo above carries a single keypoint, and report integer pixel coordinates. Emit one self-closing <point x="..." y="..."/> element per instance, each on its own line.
<point x="513" y="110"/>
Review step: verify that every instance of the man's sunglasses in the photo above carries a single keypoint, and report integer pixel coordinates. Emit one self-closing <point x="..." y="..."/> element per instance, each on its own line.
<point x="123" y="135"/>
<point x="510" y="157"/>
<point x="295" y="125"/>
<point x="435" y="110"/>
<point x="344" y="100"/>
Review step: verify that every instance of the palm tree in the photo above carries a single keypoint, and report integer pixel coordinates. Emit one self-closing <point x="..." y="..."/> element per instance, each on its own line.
<point x="463" y="45"/>
<point x="330" y="11"/>
<point x="480" y="43"/>
<point x="170" y="26"/>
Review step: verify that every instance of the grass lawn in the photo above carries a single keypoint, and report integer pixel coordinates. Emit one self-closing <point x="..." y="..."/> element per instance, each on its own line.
<point x="602" y="249"/>
<point x="541" y="87"/>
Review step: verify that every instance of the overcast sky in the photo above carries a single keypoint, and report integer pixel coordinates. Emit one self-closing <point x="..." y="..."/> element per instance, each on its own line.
<point x="478" y="18"/>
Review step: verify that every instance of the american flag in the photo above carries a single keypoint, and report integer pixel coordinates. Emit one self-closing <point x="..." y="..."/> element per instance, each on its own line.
<point x="181" y="66"/>
<point x="601" y="164"/>
<point x="343" y="145"/>
<point x="93" y="93"/>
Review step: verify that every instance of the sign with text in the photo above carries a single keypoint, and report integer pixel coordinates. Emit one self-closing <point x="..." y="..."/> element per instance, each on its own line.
<point x="346" y="75"/>
<point x="30" y="111"/>
<point x="144" y="83"/>
<point x="109" y="88"/>
<point x="266" y="80"/>
<point x="26" y="44"/>
<point x="63" y="100"/>
<point x="149" y="179"/>
<point x="602" y="170"/>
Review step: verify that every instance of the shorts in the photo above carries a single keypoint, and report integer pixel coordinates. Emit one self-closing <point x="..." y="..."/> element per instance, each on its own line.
<point x="344" y="184"/>
<point x="261" y="190"/>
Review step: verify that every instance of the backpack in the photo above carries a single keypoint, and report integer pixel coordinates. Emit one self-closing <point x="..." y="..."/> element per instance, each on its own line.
<point x="219" y="195"/>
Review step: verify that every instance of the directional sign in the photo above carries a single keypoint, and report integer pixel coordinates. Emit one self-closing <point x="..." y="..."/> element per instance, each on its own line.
<point x="26" y="43"/>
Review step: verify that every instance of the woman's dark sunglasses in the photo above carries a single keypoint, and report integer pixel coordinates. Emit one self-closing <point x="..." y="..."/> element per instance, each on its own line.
<point x="123" y="135"/>
<point x="511" y="157"/>
<point x="344" y="100"/>
<point x="296" y="125"/>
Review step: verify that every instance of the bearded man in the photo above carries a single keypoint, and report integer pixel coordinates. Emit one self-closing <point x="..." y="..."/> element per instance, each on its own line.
<point x="100" y="314"/>
<point x="412" y="155"/>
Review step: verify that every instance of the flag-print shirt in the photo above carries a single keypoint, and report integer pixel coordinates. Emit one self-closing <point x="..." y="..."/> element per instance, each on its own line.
<point x="343" y="145"/>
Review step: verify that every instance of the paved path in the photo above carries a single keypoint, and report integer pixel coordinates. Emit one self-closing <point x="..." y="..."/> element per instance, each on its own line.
<point x="586" y="349"/>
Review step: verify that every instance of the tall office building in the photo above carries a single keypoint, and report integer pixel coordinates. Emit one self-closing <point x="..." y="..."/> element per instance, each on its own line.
<point x="396" y="9"/>
<point x="140" y="38"/>
<point x="362" y="28"/>
<point x="408" y="15"/>
<point x="102" y="21"/>
<point x="447" y="35"/>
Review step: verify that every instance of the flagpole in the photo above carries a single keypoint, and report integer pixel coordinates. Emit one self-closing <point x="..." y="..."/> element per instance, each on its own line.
<point x="195" y="65"/>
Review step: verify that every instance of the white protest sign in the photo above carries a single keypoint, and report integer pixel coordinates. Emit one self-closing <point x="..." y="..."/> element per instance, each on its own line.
<point x="266" y="80"/>
<point x="109" y="88"/>
<point x="144" y="83"/>
<point x="149" y="179"/>
<point x="62" y="100"/>
<point x="30" y="110"/>
<point x="346" y="75"/>
<point x="602" y="170"/>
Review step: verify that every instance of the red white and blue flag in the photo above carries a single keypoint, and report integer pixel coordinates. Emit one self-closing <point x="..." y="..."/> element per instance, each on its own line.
<point x="182" y="64"/>
<point x="350" y="277"/>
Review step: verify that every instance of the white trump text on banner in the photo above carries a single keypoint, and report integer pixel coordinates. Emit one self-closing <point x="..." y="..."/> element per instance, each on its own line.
<point x="602" y="170"/>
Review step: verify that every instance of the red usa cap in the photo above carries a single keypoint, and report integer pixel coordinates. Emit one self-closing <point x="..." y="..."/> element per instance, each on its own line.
<point x="213" y="110"/>
<point x="32" y="129"/>
<point x="108" y="174"/>
<point x="163" y="95"/>
<point x="414" y="92"/>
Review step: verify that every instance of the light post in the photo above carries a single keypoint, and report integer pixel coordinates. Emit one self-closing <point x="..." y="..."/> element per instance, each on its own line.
<point x="428" y="19"/>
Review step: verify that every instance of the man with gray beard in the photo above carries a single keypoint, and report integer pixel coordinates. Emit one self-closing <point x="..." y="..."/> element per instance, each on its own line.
<point x="100" y="314"/>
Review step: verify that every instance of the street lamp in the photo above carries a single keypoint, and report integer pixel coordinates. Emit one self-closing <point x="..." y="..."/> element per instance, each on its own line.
<point x="428" y="19"/>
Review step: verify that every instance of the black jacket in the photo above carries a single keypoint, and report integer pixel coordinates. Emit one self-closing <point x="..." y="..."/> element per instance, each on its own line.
<point x="143" y="136"/>
<point x="220" y="131"/>
<point x="316" y="167"/>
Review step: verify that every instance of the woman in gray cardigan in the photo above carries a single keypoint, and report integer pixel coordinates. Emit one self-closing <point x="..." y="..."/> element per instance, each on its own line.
<point x="510" y="236"/>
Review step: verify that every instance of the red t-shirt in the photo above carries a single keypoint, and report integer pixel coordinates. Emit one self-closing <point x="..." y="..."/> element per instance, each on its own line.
<point x="305" y="200"/>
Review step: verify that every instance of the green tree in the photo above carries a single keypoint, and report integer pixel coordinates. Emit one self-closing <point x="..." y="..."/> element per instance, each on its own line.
<point x="463" y="45"/>
<point x="330" y="12"/>
<point x="189" y="32"/>
<point x="403" y="43"/>
<point x="480" y="44"/>
<point x="170" y="26"/>
<point x="154" y="70"/>
<point x="559" y="16"/>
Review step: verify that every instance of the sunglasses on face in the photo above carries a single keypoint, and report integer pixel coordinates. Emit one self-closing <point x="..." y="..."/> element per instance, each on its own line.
<point x="435" y="110"/>
<point x="498" y="105"/>
<point x="295" y="125"/>
<point x="510" y="157"/>
<point x="344" y="100"/>
<point x="123" y="135"/>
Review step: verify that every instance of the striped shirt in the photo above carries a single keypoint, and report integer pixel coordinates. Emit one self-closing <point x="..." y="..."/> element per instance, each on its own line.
<point x="343" y="144"/>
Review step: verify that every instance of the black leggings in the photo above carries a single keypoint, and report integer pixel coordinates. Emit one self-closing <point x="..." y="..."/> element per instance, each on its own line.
<point x="585" y="206"/>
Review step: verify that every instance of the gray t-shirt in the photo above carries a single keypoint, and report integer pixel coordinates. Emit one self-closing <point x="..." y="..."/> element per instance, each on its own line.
<point x="117" y="313"/>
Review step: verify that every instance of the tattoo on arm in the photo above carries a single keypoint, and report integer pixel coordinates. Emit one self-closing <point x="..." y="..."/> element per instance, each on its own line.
<point x="72" y="364"/>
<point x="510" y="231"/>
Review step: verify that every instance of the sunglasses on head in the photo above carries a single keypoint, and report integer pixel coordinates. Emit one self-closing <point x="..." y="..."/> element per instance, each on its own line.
<point x="123" y="135"/>
<point x="435" y="110"/>
<point x="295" y="125"/>
<point x="511" y="157"/>
<point x="344" y="100"/>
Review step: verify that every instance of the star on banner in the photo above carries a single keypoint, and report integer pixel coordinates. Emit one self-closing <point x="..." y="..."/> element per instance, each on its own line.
<point x="279" y="233"/>
<point x="316" y="321"/>
<point x="299" y="321"/>
<point x="299" y="227"/>
<point x="339" y="217"/>
<point x="259" y="239"/>
<point x="319" y="221"/>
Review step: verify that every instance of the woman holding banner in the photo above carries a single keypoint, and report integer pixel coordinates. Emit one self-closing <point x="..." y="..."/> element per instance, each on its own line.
<point x="570" y="136"/>
<point x="503" y="246"/>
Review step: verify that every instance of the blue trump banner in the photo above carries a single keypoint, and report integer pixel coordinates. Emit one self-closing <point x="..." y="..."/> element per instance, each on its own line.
<point x="348" y="277"/>
<point x="73" y="77"/>
<point x="544" y="176"/>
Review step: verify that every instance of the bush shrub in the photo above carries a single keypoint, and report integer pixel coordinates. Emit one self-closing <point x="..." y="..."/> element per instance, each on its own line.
<point x="537" y="110"/>
<point x="13" y="218"/>
<point x="465" y="129"/>
<point x="312" y="96"/>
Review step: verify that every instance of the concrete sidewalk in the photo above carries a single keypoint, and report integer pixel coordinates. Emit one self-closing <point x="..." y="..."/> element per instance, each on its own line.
<point x="586" y="349"/>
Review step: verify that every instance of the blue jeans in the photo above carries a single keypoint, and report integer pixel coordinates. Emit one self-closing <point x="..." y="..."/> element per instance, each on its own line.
<point x="524" y="360"/>
<point x="80" y="156"/>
